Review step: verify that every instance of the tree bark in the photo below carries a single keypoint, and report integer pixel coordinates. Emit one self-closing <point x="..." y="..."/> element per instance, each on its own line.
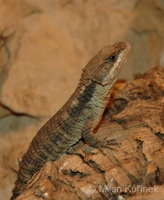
<point x="132" y="167"/>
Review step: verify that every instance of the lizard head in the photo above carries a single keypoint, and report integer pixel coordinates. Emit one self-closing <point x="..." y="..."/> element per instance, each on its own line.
<point x="104" y="67"/>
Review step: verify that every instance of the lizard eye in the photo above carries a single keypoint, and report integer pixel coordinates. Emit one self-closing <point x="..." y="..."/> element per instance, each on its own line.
<point x="111" y="58"/>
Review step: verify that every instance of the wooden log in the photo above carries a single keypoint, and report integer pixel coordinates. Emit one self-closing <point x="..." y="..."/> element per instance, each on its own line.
<point x="132" y="167"/>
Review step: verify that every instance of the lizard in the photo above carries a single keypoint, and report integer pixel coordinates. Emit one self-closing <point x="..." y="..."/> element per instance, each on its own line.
<point x="79" y="116"/>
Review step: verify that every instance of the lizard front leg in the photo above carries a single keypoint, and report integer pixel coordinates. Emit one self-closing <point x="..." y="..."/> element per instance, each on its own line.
<point x="92" y="140"/>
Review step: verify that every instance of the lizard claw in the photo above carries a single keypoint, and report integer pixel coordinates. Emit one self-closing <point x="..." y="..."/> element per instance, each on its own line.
<point x="109" y="142"/>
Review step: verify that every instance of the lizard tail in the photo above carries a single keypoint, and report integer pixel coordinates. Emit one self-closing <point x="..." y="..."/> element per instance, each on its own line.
<point x="17" y="190"/>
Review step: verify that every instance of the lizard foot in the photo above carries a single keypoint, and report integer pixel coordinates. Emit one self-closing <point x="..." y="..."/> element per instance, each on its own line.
<point x="109" y="142"/>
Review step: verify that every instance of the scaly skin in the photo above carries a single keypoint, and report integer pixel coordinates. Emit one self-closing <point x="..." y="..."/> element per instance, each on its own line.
<point x="78" y="117"/>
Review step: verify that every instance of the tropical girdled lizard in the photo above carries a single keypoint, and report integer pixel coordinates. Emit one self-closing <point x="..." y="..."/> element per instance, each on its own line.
<point x="78" y="117"/>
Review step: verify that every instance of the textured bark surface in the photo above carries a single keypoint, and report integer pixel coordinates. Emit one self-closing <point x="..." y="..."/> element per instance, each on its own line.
<point x="134" y="168"/>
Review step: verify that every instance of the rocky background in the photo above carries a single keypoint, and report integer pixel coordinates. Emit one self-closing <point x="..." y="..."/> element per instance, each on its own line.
<point x="43" y="47"/>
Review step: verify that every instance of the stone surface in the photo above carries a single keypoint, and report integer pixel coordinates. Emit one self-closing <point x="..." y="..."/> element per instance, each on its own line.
<point x="44" y="46"/>
<point x="16" y="133"/>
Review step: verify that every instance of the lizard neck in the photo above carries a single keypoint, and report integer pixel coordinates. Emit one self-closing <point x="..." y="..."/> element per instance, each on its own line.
<point x="86" y="103"/>
<point x="98" y="96"/>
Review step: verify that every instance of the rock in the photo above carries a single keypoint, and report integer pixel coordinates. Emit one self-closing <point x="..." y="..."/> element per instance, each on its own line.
<point x="45" y="45"/>
<point x="45" y="51"/>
